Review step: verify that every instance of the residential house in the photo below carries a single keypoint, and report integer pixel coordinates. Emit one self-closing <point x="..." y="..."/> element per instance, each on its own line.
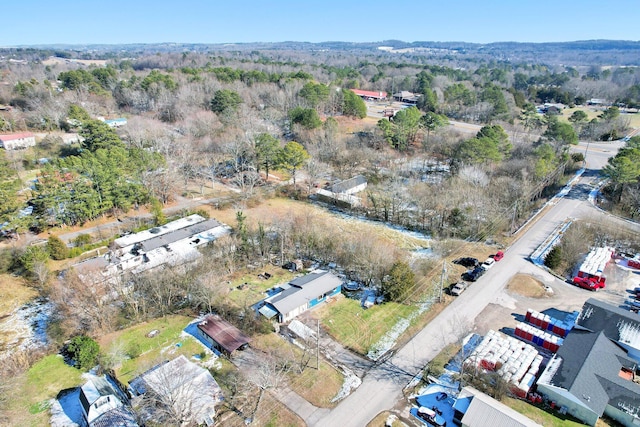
<point x="406" y="97"/>
<point x="187" y="388"/>
<point x="343" y="192"/>
<point x="221" y="335"/>
<point x="104" y="404"/>
<point x="300" y="295"/>
<point x="350" y="186"/>
<point x="591" y="376"/>
<point x="369" y="94"/>
<point x="473" y="408"/>
<point x="16" y="141"/>
<point x="618" y="324"/>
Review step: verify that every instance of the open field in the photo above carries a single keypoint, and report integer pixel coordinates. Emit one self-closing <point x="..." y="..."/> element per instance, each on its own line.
<point x="592" y="113"/>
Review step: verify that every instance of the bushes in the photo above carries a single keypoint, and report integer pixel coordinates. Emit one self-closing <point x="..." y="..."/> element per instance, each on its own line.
<point x="553" y="258"/>
<point x="57" y="249"/>
<point x="84" y="351"/>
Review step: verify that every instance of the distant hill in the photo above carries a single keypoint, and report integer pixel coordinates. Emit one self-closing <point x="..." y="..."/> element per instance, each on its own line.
<point x="584" y="52"/>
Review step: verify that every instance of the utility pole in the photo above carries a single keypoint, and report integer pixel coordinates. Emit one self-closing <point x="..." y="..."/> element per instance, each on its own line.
<point x="444" y="272"/>
<point x="317" y="344"/>
<point x="513" y="220"/>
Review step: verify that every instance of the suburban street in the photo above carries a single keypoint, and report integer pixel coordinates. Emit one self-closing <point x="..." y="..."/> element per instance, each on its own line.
<point x="382" y="386"/>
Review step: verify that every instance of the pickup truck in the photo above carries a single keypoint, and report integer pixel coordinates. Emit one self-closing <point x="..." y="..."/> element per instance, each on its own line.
<point x="459" y="288"/>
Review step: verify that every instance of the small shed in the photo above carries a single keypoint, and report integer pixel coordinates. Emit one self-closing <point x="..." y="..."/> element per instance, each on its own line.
<point x="222" y="335"/>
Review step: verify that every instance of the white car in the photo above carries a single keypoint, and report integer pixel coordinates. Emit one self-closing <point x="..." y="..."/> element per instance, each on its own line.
<point x="488" y="263"/>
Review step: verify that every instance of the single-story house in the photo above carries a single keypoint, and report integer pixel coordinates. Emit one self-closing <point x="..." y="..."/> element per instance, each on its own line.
<point x="473" y="408"/>
<point x="342" y="193"/>
<point x="618" y="324"/>
<point x="104" y="404"/>
<point x="303" y="293"/>
<point x="190" y="389"/>
<point x="16" y="141"/>
<point x="591" y="376"/>
<point x="350" y="186"/>
<point x="406" y="97"/>
<point x="369" y="94"/>
<point x="222" y="335"/>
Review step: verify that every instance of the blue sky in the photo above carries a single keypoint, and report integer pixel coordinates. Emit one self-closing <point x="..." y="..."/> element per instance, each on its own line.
<point x="29" y="22"/>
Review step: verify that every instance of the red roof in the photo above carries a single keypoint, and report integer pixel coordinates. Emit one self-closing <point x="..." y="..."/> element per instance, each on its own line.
<point x="369" y="93"/>
<point x="224" y="333"/>
<point x="11" y="137"/>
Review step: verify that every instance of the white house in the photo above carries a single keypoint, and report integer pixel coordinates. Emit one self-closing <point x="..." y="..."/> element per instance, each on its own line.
<point x="16" y="141"/>
<point x="103" y="403"/>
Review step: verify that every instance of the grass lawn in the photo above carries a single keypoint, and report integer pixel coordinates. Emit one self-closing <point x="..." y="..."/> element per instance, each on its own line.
<point x="29" y="402"/>
<point x="124" y="344"/>
<point x="539" y="415"/>
<point x="357" y="328"/>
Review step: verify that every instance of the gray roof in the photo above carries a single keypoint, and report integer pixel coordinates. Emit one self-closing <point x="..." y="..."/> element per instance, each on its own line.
<point x="120" y="417"/>
<point x="348" y="184"/>
<point x="177" y="235"/>
<point x="486" y="411"/>
<point x="97" y="387"/>
<point x="599" y="316"/>
<point x="590" y="368"/>
<point x="303" y="289"/>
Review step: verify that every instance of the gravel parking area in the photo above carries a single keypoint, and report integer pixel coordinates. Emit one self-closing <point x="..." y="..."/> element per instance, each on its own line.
<point x="565" y="297"/>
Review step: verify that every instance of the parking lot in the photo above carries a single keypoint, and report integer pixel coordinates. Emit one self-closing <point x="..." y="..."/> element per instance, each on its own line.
<point x="565" y="297"/>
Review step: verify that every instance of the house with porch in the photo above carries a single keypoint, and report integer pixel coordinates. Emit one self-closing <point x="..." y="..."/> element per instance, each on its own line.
<point x="301" y="294"/>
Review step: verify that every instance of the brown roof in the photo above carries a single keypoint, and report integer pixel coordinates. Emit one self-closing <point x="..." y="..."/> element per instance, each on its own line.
<point x="11" y="137"/>
<point x="224" y="333"/>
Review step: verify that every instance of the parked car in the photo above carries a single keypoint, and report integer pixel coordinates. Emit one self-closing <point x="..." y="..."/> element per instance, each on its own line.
<point x="467" y="262"/>
<point x="473" y="275"/>
<point x="459" y="288"/>
<point x="498" y="256"/>
<point x="488" y="263"/>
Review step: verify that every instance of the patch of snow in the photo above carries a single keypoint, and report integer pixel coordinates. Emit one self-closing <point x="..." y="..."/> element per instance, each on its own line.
<point x="387" y="342"/>
<point x="66" y="410"/>
<point x="351" y="382"/>
<point x="28" y="326"/>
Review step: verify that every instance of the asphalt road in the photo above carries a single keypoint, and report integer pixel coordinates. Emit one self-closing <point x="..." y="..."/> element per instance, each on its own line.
<point x="382" y="386"/>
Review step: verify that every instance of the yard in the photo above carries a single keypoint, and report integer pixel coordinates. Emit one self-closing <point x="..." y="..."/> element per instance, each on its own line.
<point x="132" y="352"/>
<point x="357" y="328"/>
<point x="317" y="386"/>
<point x="33" y="390"/>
